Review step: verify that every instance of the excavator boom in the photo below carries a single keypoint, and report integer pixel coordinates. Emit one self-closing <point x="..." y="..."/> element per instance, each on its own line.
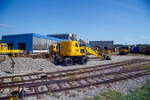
<point x="95" y="53"/>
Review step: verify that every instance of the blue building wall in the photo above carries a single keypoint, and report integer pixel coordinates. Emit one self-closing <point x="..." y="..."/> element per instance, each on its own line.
<point x="21" y="38"/>
<point x="25" y="38"/>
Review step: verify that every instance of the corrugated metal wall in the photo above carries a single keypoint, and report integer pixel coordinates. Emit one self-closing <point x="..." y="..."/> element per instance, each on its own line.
<point x="42" y="44"/>
<point x="32" y="41"/>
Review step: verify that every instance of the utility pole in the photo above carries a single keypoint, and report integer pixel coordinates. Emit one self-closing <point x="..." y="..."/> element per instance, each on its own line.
<point x="12" y="64"/>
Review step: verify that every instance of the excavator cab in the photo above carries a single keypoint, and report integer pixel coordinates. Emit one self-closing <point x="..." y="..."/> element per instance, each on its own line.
<point x="55" y="48"/>
<point x="3" y="46"/>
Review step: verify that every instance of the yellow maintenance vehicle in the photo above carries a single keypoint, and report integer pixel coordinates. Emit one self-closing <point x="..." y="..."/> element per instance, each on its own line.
<point x="4" y="50"/>
<point x="70" y="52"/>
<point x="124" y="50"/>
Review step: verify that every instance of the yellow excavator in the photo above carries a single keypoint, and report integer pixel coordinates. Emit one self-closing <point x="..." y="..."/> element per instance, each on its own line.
<point x="4" y="50"/>
<point x="70" y="52"/>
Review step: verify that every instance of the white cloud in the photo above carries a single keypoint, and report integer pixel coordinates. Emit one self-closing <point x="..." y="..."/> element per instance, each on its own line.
<point x="145" y="37"/>
<point x="5" y="25"/>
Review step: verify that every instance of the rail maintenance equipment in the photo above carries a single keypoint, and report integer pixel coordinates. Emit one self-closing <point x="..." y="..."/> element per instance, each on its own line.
<point x="124" y="50"/>
<point x="70" y="52"/>
<point x="5" y="51"/>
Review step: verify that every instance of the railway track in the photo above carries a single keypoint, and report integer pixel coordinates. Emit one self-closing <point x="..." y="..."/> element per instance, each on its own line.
<point x="133" y="61"/>
<point x="63" y="73"/>
<point x="76" y="78"/>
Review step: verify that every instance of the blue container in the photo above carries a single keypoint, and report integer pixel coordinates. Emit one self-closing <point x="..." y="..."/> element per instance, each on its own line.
<point x="136" y="49"/>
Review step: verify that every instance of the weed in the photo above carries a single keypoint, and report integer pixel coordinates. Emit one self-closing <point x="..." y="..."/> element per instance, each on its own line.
<point x="15" y="79"/>
<point x="49" y="93"/>
<point x="88" y="98"/>
<point x="71" y="77"/>
<point x="142" y="93"/>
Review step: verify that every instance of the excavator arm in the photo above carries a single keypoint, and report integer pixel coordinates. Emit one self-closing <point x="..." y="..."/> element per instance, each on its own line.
<point x="102" y="54"/>
<point x="95" y="53"/>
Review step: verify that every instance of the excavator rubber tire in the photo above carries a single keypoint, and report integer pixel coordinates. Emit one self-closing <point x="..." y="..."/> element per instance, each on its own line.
<point x="58" y="60"/>
<point x="68" y="61"/>
<point x="83" y="60"/>
<point x="108" y="58"/>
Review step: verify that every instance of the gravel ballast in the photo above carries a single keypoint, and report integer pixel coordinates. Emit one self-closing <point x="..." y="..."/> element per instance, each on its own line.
<point x="25" y="65"/>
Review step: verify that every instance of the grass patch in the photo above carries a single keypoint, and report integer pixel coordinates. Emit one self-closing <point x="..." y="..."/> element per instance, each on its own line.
<point x="71" y="77"/>
<point x="49" y="93"/>
<point x="15" y="79"/>
<point x="142" y="93"/>
<point x="141" y="66"/>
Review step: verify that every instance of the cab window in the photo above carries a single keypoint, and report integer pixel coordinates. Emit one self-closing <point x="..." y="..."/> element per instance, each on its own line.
<point x="76" y="45"/>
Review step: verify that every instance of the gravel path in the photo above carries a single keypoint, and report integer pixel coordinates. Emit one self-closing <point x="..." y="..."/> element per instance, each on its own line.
<point x="25" y="65"/>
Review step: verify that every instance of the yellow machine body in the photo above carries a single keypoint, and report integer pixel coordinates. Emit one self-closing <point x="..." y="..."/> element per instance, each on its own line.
<point x="71" y="48"/>
<point x="123" y="50"/>
<point x="4" y="49"/>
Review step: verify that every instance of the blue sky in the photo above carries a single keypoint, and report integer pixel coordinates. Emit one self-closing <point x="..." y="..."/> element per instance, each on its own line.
<point x="123" y="21"/>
